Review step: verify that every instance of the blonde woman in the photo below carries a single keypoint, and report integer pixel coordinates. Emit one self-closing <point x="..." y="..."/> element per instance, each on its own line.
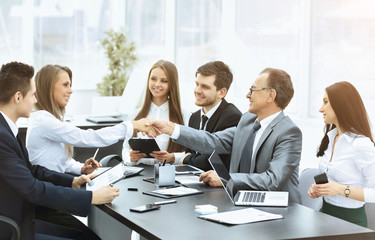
<point x="50" y="140"/>
<point x="162" y="101"/>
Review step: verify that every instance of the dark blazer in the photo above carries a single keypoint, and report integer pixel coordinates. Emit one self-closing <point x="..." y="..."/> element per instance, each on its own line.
<point x="23" y="186"/>
<point x="226" y="115"/>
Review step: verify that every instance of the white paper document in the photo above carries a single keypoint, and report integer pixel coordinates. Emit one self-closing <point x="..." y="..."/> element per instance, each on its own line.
<point x="176" y="191"/>
<point x="247" y="215"/>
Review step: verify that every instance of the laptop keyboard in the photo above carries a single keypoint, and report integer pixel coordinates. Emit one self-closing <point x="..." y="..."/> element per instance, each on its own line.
<point x="131" y="171"/>
<point x="253" y="197"/>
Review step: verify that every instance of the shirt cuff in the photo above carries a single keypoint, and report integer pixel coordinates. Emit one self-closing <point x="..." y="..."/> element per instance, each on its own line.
<point x="176" y="132"/>
<point x="369" y="194"/>
<point x="177" y="157"/>
<point x="75" y="167"/>
<point x="129" y="130"/>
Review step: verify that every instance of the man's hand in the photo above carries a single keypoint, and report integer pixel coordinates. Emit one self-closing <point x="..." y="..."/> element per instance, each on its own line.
<point x="104" y="194"/>
<point x="78" y="181"/>
<point x="210" y="178"/>
<point x="165" y="127"/>
<point x="140" y="125"/>
<point x="90" y="165"/>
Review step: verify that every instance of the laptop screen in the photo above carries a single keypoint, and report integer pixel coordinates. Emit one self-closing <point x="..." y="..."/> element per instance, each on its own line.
<point x="220" y="169"/>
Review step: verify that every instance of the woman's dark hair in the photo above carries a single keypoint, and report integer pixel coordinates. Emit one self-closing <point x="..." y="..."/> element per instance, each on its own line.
<point x="350" y="112"/>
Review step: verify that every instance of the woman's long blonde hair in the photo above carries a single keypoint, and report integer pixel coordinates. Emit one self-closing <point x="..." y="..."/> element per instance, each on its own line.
<point x="45" y="81"/>
<point x="174" y="103"/>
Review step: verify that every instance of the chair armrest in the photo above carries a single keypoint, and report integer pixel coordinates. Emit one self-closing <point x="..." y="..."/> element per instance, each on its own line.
<point x="16" y="230"/>
<point x="105" y="161"/>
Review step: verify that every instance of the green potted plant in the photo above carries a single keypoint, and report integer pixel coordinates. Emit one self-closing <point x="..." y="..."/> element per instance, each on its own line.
<point x="120" y="53"/>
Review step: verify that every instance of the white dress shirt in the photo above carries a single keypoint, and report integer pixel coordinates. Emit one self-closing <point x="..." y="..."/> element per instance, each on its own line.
<point x="46" y="138"/>
<point x="156" y="112"/>
<point x="208" y="115"/>
<point x="11" y="124"/>
<point x="352" y="164"/>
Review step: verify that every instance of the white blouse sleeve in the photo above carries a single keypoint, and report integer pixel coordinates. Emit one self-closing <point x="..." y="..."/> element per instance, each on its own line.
<point x="64" y="132"/>
<point x="73" y="166"/>
<point x="366" y="163"/>
<point x="369" y="195"/>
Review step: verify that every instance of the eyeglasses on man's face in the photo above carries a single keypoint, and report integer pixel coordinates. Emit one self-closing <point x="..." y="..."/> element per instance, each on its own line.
<point x="252" y="89"/>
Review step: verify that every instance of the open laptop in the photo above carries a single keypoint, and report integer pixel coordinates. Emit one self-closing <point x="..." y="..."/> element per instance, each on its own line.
<point x="249" y="197"/>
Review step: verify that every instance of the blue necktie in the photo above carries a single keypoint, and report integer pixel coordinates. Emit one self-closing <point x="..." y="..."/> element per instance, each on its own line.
<point x="247" y="152"/>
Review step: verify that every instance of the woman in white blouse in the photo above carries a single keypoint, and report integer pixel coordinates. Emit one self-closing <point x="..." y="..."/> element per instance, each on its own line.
<point x="50" y="140"/>
<point x="347" y="155"/>
<point x="162" y="101"/>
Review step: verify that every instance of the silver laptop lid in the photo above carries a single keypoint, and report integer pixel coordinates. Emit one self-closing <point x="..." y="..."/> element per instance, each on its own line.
<point x="220" y="169"/>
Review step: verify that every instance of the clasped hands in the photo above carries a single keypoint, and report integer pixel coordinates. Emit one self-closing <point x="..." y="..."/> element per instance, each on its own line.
<point x="153" y="127"/>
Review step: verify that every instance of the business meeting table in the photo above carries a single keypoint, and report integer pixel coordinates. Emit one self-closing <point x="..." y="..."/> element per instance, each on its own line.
<point x="179" y="221"/>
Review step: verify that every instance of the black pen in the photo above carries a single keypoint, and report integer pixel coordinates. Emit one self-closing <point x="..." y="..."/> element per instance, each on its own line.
<point x="165" y="160"/>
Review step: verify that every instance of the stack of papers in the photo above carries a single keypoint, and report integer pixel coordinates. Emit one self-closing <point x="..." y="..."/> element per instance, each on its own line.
<point x="247" y="215"/>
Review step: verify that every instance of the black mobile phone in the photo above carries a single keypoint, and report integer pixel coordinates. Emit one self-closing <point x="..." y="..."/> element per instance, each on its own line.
<point x="145" y="208"/>
<point x="321" y="178"/>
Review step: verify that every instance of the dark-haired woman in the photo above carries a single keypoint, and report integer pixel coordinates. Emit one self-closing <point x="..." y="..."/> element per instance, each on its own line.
<point x="347" y="155"/>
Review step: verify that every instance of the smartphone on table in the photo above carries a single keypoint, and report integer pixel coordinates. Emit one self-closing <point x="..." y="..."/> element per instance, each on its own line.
<point x="145" y="208"/>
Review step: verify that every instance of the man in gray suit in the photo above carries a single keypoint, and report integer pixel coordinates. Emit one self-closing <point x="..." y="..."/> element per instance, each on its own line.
<point x="263" y="158"/>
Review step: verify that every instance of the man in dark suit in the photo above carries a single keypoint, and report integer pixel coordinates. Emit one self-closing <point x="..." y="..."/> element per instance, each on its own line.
<point x="265" y="146"/>
<point x="212" y="83"/>
<point x="22" y="185"/>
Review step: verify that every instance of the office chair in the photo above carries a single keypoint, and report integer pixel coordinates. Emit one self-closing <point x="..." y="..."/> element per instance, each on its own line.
<point x="110" y="160"/>
<point x="13" y="226"/>
<point x="306" y="178"/>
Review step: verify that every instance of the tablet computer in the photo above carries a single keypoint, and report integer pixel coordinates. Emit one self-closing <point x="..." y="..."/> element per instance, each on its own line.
<point x="144" y="145"/>
<point x="110" y="176"/>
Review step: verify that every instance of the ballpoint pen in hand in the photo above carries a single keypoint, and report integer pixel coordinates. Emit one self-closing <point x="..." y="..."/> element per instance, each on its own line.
<point x="165" y="160"/>
<point x="97" y="150"/>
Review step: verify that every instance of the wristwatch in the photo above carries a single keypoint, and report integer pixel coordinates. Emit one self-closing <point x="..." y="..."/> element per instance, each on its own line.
<point x="347" y="191"/>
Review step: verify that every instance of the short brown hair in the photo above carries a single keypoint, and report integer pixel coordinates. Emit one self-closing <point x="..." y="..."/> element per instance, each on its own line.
<point x="223" y="75"/>
<point x="280" y="81"/>
<point x="14" y="77"/>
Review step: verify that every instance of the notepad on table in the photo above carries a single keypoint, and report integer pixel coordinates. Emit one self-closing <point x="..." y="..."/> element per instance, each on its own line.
<point x="247" y="215"/>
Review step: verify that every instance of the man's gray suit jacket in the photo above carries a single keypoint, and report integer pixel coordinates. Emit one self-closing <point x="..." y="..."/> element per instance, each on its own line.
<point x="274" y="166"/>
